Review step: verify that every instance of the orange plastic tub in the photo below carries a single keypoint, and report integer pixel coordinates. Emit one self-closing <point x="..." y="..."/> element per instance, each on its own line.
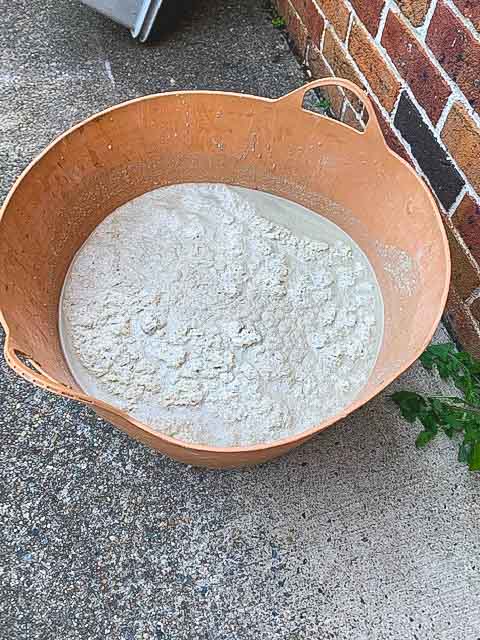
<point x="276" y="146"/>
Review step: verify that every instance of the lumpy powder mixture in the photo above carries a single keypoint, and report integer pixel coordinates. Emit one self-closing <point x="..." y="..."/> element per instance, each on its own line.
<point x="221" y="315"/>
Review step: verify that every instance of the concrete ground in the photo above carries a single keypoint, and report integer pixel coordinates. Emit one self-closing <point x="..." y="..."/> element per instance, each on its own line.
<point x="354" y="536"/>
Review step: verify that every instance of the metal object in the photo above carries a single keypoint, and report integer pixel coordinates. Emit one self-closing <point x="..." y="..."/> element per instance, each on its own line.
<point x="137" y="15"/>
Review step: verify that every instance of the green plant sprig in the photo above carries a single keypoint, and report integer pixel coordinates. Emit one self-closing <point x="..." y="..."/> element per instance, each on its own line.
<point x="322" y="103"/>
<point x="455" y="416"/>
<point x="278" y="22"/>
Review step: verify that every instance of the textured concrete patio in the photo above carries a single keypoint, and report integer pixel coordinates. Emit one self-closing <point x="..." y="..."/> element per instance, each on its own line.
<point x="354" y="536"/>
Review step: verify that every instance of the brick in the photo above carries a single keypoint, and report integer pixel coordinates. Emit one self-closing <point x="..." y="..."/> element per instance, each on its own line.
<point x="444" y="178"/>
<point x="296" y="29"/>
<point x="462" y="138"/>
<point x="373" y="65"/>
<point x="391" y="137"/>
<point x="369" y="12"/>
<point x="461" y="324"/>
<point x="465" y="276"/>
<point x="471" y="10"/>
<point x="475" y="309"/>
<point x="336" y="97"/>
<point x="317" y="64"/>
<point x="413" y="64"/>
<point x="338" y="15"/>
<point x="466" y="220"/>
<point x="414" y="10"/>
<point x="351" y="119"/>
<point x="457" y="51"/>
<point x="340" y="64"/>
<point x="440" y="206"/>
<point x="319" y="69"/>
<point x="311" y="18"/>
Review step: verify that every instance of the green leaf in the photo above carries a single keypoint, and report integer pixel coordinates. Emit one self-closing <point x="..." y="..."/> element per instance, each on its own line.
<point x="438" y="409"/>
<point x="432" y="354"/>
<point x="429" y="421"/>
<point x="453" y="417"/>
<point x="451" y="414"/>
<point x="464" y="452"/>
<point x="472" y="433"/>
<point x="423" y="438"/>
<point x="467" y="385"/>
<point x="441" y="356"/>
<point x="471" y="363"/>
<point x="427" y="361"/>
<point x="278" y="22"/>
<point x="460" y="367"/>
<point x="411" y="405"/>
<point x="441" y="351"/>
<point x="474" y="458"/>
<point x="323" y="103"/>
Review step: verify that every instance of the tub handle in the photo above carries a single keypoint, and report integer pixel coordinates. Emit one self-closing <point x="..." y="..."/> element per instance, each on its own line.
<point x="35" y="375"/>
<point x="372" y="129"/>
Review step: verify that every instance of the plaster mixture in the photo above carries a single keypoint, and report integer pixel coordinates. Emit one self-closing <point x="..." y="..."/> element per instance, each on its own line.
<point x="221" y="315"/>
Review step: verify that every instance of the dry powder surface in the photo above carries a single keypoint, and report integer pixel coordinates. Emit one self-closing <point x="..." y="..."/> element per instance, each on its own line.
<point x="221" y="315"/>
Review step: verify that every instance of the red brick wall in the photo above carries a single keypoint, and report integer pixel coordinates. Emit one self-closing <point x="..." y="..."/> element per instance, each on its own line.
<point x="419" y="60"/>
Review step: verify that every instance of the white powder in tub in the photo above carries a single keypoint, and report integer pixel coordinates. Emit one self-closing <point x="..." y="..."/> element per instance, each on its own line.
<point x="221" y="315"/>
